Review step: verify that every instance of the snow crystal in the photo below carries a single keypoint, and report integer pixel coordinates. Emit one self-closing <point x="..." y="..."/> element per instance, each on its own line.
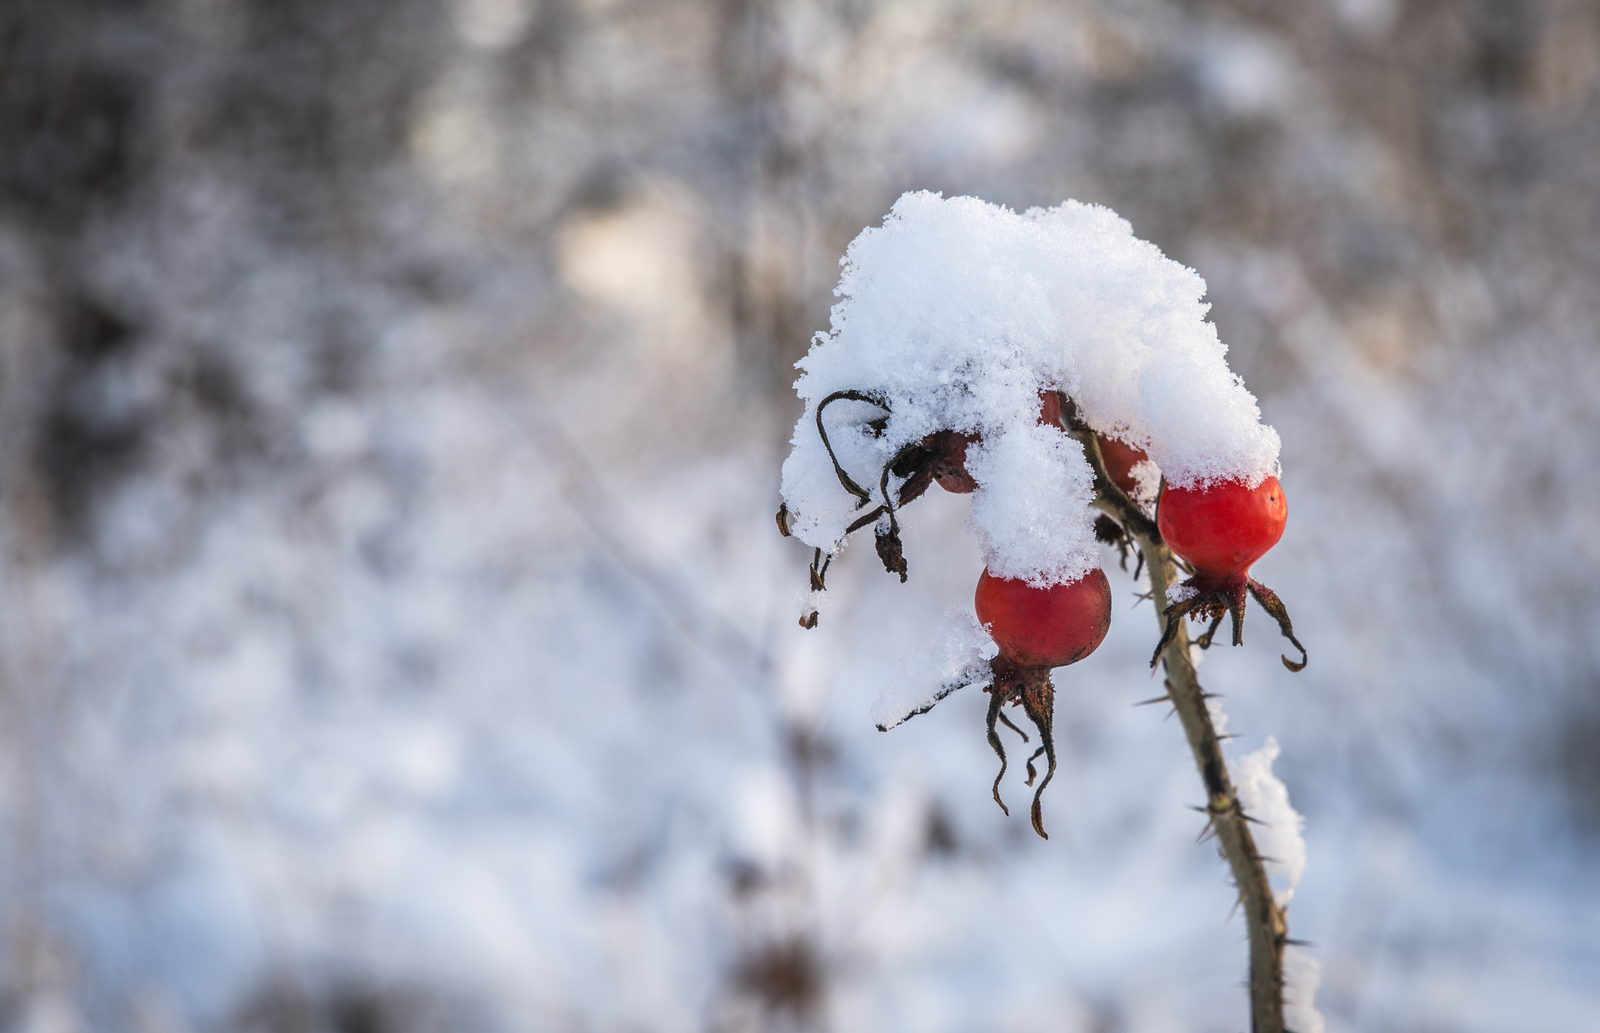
<point x="1266" y="799"/>
<point x="956" y="313"/>
<point x="958" y="655"/>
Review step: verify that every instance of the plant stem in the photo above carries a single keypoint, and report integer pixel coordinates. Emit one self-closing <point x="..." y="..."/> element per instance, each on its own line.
<point x="1268" y="923"/>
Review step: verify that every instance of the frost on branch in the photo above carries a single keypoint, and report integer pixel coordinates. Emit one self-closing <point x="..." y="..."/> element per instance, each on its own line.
<point x="955" y="314"/>
<point x="1279" y="837"/>
<point x="1266" y="799"/>
<point x="957" y="656"/>
<point x="1302" y="974"/>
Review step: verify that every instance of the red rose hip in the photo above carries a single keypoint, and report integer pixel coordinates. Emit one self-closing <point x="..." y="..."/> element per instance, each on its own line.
<point x="1045" y="627"/>
<point x="1223" y="528"/>
<point x="1120" y="459"/>
<point x="1220" y="530"/>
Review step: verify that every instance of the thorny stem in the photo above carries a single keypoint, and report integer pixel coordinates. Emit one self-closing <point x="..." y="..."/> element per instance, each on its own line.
<point x="1268" y="923"/>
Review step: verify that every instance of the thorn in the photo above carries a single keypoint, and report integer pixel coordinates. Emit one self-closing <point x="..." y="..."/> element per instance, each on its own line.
<point x="1254" y="821"/>
<point x="1153" y="699"/>
<point x="1308" y="944"/>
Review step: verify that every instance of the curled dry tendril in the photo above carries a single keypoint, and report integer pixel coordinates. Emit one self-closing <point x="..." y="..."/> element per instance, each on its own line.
<point x="1030" y="688"/>
<point x="916" y="464"/>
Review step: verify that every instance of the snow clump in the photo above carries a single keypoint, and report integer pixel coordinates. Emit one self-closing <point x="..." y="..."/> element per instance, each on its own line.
<point x="957" y="656"/>
<point x="1265" y="798"/>
<point x="956" y="313"/>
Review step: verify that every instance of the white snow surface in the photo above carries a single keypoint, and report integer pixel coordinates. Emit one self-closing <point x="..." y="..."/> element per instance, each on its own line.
<point x="957" y="656"/>
<point x="956" y="313"/>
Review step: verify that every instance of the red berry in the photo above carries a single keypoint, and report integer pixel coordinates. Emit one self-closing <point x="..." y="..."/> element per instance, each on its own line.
<point x="951" y="472"/>
<point x="1120" y="459"/>
<point x="1224" y="527"/>
<point x="1045" y="627"/>
<point x="1050" y="408"/>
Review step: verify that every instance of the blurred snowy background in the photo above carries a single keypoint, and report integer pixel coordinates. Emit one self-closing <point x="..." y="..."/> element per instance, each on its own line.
<point x="395" y="634"/>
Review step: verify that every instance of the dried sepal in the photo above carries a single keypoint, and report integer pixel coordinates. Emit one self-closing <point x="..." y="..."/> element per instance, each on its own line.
<point x="944" y="690"/>
<point x="1030" y="688"/>
<point x="938" y="456"/>
<point x="998" y="695"/>
<point x="1274" y="606"/>
<point x="845" y="479"/>
<point x="1211" y="597"/>
<point x="890" y="551"/>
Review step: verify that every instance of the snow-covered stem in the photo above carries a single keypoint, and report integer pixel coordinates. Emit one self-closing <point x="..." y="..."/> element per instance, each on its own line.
<point x="1268" y="923"/>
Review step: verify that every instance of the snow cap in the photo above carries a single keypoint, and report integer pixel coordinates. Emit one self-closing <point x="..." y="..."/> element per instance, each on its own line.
<point x="956" y="313"/>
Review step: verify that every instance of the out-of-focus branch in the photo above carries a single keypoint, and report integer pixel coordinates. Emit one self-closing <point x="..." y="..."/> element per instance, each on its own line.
<point x="1268" y="923"/>
<point x="600" y="513"/>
